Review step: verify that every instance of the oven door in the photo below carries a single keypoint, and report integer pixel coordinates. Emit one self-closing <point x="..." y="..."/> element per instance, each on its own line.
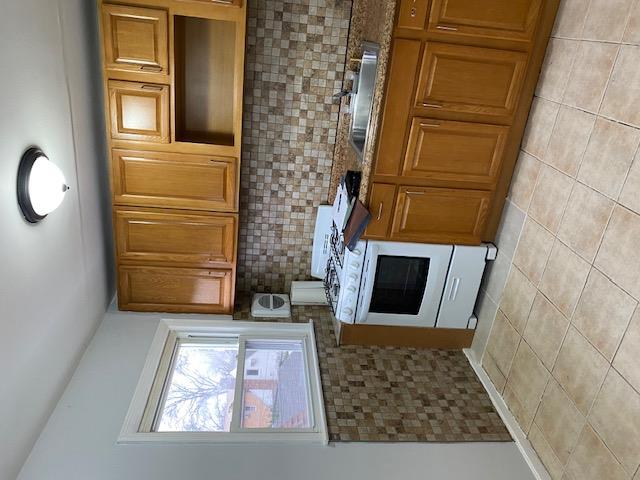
<point x="402" y="283"/>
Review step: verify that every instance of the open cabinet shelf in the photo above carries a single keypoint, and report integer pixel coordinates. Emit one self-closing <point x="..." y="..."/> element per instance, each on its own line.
<point x="205" y="83"/>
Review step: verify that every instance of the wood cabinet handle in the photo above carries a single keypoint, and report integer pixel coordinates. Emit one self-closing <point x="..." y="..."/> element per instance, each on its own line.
<point x="157" y="88"/>
<point x="424" y="124"/>
<point x="151" y="68"/>
<point x="447" y="28"/>
<point x="431" y="105"/>
<point x="414" y="192"/>
<point x="380" y="207"/>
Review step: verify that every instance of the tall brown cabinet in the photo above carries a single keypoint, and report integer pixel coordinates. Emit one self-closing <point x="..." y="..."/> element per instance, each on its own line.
<point x="459" y="88"/>
<point x="173" y="78"/>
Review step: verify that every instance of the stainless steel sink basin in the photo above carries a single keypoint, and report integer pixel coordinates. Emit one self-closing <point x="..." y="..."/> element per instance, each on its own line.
<point x="362" y="97"/>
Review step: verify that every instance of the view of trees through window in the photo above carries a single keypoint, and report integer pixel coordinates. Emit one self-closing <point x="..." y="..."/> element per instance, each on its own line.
<point x="200" y="391"/>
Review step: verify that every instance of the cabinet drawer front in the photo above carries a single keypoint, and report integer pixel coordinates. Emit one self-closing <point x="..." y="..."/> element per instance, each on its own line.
<point x="139" y="111"/>
<point x="135" y="39"/>
<point x="495" y="19"/>
<point x="381" y="207"/>
<point x="159" y="289"/>
<point x="455" y="151"/>
<point x="174" y="180"/>
<point x="478" y="81"/>
<point x="440" y="215"/>
<point x="168" y="237"/>
<point x="412" y="14"/>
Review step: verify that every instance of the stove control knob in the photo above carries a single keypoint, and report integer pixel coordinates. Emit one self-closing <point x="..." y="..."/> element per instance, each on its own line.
<point x="353" y="277"/>
<point x="355" y="265"/>
<point x="357" y="252"/>
<point x="351" y="289"/>
<point x="347" y="311"/>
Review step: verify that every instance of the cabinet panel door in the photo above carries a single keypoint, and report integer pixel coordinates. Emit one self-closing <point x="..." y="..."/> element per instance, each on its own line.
<point x="455" y="151"/>
<point x="397" y="107"/>
<point x="174" y="180"/>
<point x="412" y="14"/>
<point x="381" y="207"/>
<point x="177" y="238"/>
<point x="496" y="19"/>
<point x="462" y="79"/>
<point x="139" y="111"/>
<point x="160" y="289"/>
<point x="135" y="39"/>
<point x="440" y="215"/>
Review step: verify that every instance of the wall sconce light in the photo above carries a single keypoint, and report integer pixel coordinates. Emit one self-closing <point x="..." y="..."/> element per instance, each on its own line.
<point x="41" y="185"/>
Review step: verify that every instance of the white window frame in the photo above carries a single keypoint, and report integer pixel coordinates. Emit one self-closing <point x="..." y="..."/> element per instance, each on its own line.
<point x="137" y="425"/>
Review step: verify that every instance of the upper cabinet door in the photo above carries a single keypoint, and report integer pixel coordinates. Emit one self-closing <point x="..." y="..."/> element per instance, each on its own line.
<point x="139" y="111"/>
<point x="460" y="153"/>
<point x="483" y="83"/>
<point x="512" y="20"/>
<point x="135" y="39"/>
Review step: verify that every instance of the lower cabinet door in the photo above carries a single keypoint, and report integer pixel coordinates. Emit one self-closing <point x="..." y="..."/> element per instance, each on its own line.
<point x="174" y="237"/>
<point x="174" y="180"/>
<point x="440" y="215"/>
<point x="162" y="289"/>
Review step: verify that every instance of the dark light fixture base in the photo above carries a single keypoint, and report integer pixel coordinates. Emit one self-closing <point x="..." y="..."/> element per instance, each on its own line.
<point x="24" y="171"/>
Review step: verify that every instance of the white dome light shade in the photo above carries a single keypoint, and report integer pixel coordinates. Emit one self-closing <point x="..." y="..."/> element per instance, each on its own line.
<point x="41" y="185"/>
<point x="46" y="186"/>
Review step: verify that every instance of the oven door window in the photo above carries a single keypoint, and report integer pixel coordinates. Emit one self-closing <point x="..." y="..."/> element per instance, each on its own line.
<point x="399" y="285"/>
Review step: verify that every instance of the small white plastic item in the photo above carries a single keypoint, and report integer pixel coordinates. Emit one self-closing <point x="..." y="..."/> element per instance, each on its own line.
<point x="307" y="293"/>
<point x="269" y="305"/>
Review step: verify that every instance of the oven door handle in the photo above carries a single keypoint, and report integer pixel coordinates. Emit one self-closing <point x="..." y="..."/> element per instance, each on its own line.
<point x="368" y="279"/>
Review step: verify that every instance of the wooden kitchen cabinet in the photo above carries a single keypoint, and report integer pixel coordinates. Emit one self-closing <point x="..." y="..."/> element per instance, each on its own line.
<point x="439" y="215"/>
<point x="175" y="238"/>
<point x="412" y="14"/>
<point x="381" y="204"/>
<point x="514" y="20"/>
<point x="139" y="111"/>
<point x="157" y="179"/>
<point x="136" y="39"/>
<point x="478" y="84"/>
<point x="173" y="73"/>
<point x="162" y="289"/>
<point x="402" y="72"/>
<point x="454" y="152"/>
<point x="459" y="87"/>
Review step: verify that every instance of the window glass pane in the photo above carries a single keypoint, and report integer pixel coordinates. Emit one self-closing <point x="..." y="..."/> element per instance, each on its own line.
<point x="275" y="389"/>
<point x="200" y="391"/>
<point x="399" y="285"/>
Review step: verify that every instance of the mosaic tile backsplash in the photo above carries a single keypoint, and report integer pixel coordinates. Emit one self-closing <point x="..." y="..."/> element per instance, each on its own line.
<point x="294" y="64"/>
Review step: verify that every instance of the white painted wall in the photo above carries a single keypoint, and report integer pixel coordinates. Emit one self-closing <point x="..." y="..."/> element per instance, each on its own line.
<point x="54" y="279"/>
<point x="79" y="439"/>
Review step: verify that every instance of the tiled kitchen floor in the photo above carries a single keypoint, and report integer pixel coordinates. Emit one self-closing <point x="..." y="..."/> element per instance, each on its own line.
<point x="387" y="394"/>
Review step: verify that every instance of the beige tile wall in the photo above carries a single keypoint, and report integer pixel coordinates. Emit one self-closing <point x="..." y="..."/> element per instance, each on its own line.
<point x="294" y="63"/>
<point x="564" y="346"/>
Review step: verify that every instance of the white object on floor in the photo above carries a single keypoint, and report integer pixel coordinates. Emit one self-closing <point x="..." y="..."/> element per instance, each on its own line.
<point x="308" y="293"/>
<point x="271" y="305"/>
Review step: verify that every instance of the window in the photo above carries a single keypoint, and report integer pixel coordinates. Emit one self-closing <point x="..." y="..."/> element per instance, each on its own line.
<point x="195" y="388"/>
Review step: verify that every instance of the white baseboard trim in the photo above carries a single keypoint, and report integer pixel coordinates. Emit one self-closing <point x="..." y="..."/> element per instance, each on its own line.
<point x="537" y="468"/>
